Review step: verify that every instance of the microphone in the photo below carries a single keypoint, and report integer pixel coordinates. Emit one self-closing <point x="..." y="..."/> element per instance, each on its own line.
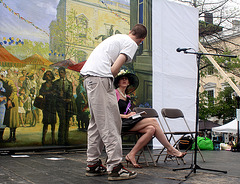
<point x="182" y="49"/>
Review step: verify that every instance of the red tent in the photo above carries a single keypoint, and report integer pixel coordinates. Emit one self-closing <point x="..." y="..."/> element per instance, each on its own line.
<point x="65" y="63"/>
<point x="7" y="59"/>
<point x="77" y="67"/>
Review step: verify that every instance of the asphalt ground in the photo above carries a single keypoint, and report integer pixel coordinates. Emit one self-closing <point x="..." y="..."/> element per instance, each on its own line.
<point x="68" y="167"/>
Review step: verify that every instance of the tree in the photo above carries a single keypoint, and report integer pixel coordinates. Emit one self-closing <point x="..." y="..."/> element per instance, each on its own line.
<point x="218" y="16"/>
<point x="216" y="20"/>
<point x="223" y="106"/>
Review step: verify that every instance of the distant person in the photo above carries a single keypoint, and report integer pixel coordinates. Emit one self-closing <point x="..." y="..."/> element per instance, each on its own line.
<point x="105" y="124"/>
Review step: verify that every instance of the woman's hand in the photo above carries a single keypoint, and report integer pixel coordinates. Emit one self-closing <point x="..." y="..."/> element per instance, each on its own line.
<point x="131" y="114"/>
<point x="127" y="115"/>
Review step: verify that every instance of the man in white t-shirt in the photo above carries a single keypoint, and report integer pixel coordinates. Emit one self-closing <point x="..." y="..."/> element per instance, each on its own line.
<point x="105" y="124"/>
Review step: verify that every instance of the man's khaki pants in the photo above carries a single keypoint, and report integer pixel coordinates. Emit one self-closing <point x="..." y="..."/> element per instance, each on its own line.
<point x="105" y="124"/>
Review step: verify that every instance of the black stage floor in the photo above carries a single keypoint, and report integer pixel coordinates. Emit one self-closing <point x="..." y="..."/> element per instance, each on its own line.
<point x="60" y="167"/>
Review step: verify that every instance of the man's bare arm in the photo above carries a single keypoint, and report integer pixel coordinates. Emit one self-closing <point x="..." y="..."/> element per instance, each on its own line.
<point x="122" y="58"/>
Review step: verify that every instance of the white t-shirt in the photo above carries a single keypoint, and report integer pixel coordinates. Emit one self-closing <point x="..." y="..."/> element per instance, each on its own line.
<point x="105" y="54"/>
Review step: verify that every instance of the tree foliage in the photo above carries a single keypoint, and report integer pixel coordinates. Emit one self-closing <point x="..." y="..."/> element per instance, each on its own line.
<point x="223" y="106"/>
<point x="224" y="13"/>
<point x="214" y="35"/>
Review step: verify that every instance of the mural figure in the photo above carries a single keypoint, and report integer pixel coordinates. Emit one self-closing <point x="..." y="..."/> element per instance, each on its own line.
<point x="110" y="33"/>
<point x="31" y="114"/>
<point x="3" y="101"/>
<point x="39" y="79"/>
<point x="22" y="78"/>
<point x="21" y="100"/>
<point x="49" y="110"/>
<point x="11" y="118"/>
<point x="81" y="101"/>
<point x="29" y="82"/>
<point x="64" y="104"/>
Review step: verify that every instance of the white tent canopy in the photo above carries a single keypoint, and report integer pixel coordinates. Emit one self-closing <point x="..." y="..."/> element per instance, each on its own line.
<point x="230" y="127"/>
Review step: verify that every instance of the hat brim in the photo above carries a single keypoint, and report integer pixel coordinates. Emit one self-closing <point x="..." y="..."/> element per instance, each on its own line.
<point x="133" y="80"/>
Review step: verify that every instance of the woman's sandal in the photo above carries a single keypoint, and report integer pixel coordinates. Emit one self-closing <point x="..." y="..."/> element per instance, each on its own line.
<point x="129" y="160"/>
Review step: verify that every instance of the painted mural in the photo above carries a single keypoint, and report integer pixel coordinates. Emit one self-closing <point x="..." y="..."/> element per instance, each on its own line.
<point x="43" y="45"/>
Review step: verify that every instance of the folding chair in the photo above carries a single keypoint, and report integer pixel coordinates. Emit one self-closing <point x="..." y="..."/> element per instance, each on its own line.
<point x="177" y="114"/>
<point x="149" y="113"/>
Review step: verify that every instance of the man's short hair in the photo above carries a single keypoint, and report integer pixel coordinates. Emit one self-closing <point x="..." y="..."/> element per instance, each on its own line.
<point x="139" y="30"/>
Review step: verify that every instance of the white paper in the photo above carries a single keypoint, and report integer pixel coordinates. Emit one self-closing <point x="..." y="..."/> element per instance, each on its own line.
<point x="20" y="156"/>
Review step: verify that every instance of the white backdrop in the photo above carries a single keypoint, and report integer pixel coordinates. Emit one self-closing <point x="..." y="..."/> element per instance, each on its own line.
<point x="174" y="74"/>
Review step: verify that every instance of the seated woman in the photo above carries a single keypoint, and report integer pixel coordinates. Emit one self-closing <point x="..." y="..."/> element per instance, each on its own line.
<point x="125" y="83"/>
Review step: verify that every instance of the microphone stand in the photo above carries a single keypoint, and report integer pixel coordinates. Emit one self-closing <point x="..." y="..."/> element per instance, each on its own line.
<point x="194" y="165"/>
<point x="238" y="112"/>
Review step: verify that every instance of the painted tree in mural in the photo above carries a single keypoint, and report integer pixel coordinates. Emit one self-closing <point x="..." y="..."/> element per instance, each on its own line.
<point x="68" y="34"/>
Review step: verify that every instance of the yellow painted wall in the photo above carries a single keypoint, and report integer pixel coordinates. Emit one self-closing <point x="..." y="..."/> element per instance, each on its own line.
<point x="99" y="19"/>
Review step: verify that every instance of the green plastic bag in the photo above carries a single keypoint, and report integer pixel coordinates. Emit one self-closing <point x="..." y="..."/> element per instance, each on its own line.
<point x="203" y="143"/>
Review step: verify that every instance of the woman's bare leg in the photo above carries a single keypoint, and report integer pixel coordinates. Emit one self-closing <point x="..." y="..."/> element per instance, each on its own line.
<point x="147" y="132"/>
<point x="159" y="134"/>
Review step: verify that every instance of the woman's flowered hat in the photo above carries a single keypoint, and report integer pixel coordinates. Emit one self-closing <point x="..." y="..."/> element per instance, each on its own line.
<point x="133" y="80"/>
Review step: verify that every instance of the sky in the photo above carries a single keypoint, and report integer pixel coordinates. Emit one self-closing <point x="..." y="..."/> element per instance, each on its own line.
<point x="39" y="12"/>
<point x="229" y="7"/>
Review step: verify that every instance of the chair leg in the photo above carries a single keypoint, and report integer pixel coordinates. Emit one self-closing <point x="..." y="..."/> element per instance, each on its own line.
<point x="142" y="153"/>
<point x="200" y="153"/>
<point x="158" y="156"/>
<point x="149" y="151"/>
<point x="139" y="155"/>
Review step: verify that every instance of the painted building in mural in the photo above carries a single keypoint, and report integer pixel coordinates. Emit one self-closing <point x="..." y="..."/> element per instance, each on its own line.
<point x="86" y="24"/>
